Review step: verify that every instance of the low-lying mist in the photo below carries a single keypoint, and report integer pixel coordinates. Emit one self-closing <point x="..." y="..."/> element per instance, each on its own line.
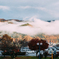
<point x="37" y="27"/>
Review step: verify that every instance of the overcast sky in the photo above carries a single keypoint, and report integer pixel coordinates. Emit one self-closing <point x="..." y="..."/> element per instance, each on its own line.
<point x="29" y="9"/>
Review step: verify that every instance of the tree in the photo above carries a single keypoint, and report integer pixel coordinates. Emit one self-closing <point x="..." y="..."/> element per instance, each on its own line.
<point x="33" y="44"/>
<point x="23" y="43"/>
<point x="6" y="42"/>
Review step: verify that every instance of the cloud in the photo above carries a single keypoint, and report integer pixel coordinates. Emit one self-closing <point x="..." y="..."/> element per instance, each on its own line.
<point x="51" y="9"/>
<point x="30" y="18"/>
<point x="53" y="13"/>
<point x="39" y="27"/>
<point x="47" y="9"/>
<point x="26" y="7"/>
<point x="4" y="7"/>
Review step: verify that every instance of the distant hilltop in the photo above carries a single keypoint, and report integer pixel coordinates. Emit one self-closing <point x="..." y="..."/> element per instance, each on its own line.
<point x="50" y="20"/>
<point x="4" y="20"/>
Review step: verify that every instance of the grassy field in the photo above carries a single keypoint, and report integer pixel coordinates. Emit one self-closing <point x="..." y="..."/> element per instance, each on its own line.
<point x="23" y="57"/>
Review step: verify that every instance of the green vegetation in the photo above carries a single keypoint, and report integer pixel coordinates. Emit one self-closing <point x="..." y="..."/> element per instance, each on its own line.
<point x="1" y="57"/>
<point x="24" y="57"/>
<point x="25" y="24"/>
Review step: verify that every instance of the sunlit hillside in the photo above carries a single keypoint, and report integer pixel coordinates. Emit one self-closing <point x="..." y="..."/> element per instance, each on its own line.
<point x="31" y="29"/>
